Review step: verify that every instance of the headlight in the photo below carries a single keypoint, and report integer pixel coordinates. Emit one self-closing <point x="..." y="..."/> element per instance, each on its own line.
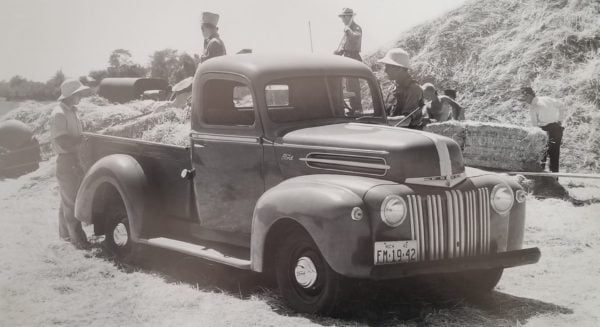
<point x="502" y="198"/>
<point x="393" y="210"/>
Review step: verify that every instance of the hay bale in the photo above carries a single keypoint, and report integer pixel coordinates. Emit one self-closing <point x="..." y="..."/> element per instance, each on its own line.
<point x="496" y="146"/>
<point x="452" y="129"/>
<point x="136" y="127"/>
<point x="174" y="133"/>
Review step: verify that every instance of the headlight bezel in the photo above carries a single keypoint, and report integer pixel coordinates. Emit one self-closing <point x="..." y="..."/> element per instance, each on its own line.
<point x="510" y="195"/>
<point x="386" y="203"/>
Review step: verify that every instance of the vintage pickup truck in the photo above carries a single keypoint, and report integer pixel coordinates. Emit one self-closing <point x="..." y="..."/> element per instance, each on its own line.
<point x="289" y="172"/>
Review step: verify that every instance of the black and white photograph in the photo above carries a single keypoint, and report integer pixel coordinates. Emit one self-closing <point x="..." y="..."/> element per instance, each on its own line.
<point x="300" y="163"/>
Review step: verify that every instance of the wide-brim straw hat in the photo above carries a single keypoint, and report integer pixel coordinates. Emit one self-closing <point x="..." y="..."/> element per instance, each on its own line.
<point x="71" y="87"/>
<point x="396" y="57"/>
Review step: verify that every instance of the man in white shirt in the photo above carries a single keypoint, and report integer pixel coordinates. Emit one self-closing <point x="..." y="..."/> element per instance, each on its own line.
<point x="549" y="114"/>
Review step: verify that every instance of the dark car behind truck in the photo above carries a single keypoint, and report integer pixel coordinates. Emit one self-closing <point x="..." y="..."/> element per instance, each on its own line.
<point x="286" y="172"/>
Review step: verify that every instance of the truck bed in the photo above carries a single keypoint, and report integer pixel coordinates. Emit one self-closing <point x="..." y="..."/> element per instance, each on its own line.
<point x="162" y="164"/>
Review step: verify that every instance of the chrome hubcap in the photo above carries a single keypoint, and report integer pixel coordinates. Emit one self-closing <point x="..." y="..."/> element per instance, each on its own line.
<point x="120" y="235"/>
<point x="305" y="272"/>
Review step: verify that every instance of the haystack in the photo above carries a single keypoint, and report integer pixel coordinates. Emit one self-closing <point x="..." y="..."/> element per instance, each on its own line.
<point x="496" y="146"/>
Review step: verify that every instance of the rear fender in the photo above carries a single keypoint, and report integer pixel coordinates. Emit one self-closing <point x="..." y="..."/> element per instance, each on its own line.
<point x="126" y="175"/>
<point x="323" y="210"/>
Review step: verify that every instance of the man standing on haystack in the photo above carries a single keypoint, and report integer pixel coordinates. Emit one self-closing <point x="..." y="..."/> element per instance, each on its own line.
<point x="407" y="107"/>
<point x="213" y="45"/>
<point x="549" y="114"/>
<point x="350" y="44"/>
<point x="65" y="130"/>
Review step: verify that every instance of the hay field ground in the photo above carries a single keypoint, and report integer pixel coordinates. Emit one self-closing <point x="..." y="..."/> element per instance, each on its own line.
<point x="45" y="282"/>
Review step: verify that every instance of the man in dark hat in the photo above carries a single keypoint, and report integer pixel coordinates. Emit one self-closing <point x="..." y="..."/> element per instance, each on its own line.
<point x="350" y="45"/>
<point x="213" y="45"/>
<point x="548" y="114"/>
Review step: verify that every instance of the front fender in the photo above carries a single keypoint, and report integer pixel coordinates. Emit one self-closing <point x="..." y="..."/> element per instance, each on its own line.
<point x="322" y="205"/>
<point x="126" y="175"/>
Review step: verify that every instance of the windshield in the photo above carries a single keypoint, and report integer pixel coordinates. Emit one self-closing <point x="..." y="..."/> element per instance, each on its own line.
<point x="312" y="98"/>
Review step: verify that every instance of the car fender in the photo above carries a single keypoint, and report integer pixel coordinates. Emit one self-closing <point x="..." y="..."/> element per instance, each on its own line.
<point x="322" y="205"/>
<point x="125" y="174"/>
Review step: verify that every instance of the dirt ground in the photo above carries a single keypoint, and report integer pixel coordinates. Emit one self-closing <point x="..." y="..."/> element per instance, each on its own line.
<point x="46" y="282"/>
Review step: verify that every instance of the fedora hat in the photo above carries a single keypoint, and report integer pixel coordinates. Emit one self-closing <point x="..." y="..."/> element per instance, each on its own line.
<point x="71" y="87"/>
<point x="210" y="18"/>
<point x="396" y="57"/>
<point x="347" y="12"/>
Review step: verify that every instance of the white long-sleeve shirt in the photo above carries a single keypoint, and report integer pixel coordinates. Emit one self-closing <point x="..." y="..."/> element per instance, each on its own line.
<point x="546" y="110"/>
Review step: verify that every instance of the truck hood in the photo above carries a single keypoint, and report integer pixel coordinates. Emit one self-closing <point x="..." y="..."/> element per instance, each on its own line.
<point x="391" y="153"/>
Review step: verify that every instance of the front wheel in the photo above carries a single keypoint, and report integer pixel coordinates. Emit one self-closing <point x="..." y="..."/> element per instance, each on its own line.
<point x="305" y="280"/>
<point x="118" y="234"/>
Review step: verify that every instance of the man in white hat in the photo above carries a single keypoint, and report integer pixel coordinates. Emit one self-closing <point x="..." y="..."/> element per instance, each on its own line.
<point x="65" y="131"/>
<point x="350" y="45"/>
<point x="213" y="45"/>
<point x="408" y="95"/>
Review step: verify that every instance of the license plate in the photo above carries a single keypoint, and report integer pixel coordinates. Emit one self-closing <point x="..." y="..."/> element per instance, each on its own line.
<point x="395" y="252"/>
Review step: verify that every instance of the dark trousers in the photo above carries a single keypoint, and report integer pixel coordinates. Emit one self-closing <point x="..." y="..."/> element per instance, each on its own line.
<point x="555" y="134"/>
<point x="69" y="174"/>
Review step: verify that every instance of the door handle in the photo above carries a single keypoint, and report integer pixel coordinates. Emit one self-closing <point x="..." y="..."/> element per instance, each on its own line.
<point x="198" y="146"/>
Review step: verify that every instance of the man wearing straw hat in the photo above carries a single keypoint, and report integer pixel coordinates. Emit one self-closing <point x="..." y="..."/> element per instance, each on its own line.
<point x="407" y="107"/>
<point x="213" y="45"/>
<point x="351" y="41"/>
<point x="65" y="130"/>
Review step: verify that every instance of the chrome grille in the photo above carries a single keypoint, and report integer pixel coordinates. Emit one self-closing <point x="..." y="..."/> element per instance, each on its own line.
<point x="451" y="225"/>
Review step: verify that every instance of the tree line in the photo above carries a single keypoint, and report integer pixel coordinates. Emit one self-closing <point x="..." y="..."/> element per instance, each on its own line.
<point x="169" y="64"/>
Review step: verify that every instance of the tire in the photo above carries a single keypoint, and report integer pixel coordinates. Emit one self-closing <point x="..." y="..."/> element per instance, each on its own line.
<point x="117" y="232"/>
<point x="476" y="281"/>
<point x="305" y="280"/>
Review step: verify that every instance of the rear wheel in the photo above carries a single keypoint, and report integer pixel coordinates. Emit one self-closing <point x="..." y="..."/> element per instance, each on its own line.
<point x="118" y="234"/>
<point x="305" y="280"/>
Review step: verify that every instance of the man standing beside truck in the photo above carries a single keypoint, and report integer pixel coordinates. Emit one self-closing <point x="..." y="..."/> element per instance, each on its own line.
<point x="408" y="96"/>
<point x="213" y="45"/>
<point x="65" y="129"/>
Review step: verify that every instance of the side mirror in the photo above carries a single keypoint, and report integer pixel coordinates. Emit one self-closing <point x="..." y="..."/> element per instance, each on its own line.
<point x="188" y="174"/>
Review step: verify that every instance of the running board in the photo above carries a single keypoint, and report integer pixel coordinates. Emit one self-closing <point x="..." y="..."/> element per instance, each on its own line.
<point x="196" y="250"/>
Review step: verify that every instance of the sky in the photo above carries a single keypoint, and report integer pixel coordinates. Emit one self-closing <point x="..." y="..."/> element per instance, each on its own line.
<point x="39" y="37"/>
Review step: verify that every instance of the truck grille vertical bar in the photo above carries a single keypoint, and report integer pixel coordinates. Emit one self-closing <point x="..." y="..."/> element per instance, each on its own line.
<point x="441" y="225"/>
<point x="421" y="226"/>
<point x="487" y="220"/>
<point x="471" y="231"/>
<point x="451" y="223"/>
<point x="431" y="238"/>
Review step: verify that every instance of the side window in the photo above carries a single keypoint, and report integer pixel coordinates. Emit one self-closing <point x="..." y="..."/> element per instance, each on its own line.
<point x="278" y="95"/>
<point x="242" y="97"/>
<point x="227" y="103"/>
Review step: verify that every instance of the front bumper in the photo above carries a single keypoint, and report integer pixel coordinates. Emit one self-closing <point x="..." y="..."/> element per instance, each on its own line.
<point x="496" y="260"/>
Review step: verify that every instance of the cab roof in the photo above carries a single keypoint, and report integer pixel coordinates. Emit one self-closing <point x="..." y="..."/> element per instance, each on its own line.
<point x="268" y="67"/>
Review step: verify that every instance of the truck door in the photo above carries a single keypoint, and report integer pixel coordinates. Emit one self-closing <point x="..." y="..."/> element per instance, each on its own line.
<point x="227" y="152"/>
